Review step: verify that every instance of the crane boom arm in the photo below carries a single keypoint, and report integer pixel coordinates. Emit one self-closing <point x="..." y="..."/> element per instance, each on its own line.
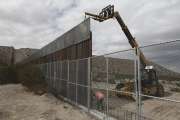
<point x="148" y="74"/>
<point x="130" y="38"/>
<point x="108" y="13"/>
<point x="126" y="31"/>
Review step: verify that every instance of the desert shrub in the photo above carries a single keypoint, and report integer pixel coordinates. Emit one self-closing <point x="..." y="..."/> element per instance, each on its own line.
<point x="32" y="77"/>
<point x="29" y="75"/>
<point x="8" y="74"/>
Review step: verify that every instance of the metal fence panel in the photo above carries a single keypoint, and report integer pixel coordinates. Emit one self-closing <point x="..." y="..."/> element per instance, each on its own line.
<point x="72" y="71"/>
<point x="83" y="72"/>
<point x="63" y="88"/>
<point x="82" y="82"/>
<point x="121" y="85"/>
<point x="98" y="84"/>
<point x="72" y="92"/>
<point x="165" y="59"/>
<point x="72" y="80"/>
<point x="64" y="70"/>
<point x="82" y="93"/>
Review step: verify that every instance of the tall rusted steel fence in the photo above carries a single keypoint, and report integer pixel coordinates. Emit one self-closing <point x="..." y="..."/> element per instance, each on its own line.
<point x="78" y="81"/>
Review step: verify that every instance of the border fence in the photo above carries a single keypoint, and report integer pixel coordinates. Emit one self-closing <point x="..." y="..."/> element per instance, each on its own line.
<point x="78" y="81"/>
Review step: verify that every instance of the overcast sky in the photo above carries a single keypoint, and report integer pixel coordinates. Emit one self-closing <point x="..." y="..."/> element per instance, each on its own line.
<point x="35" y="23"/>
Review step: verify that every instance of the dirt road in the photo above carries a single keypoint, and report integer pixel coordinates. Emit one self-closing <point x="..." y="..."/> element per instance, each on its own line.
<point x="18" y="104"/>
<point x="158" y="109"/>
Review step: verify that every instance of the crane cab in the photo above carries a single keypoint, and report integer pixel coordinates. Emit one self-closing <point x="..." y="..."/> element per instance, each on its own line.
<point x="149" y="76"/>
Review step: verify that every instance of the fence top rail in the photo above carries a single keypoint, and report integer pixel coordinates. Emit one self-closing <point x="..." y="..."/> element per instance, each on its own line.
<point x="160" y="43"/>
<point x="119" y="51"/>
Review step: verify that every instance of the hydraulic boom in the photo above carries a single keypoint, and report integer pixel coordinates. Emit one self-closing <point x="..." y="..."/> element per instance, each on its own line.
<point x="108" y="13"/>
<point x="150" y="83"/>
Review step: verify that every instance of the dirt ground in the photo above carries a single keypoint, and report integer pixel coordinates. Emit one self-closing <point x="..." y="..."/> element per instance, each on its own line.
<point x="158" y="109"/>
<point x="154" y="109"/>
<point x="16" y="103"/>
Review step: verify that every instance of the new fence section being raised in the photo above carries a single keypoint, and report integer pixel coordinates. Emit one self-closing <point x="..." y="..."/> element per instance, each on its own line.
<point x="115" y="76"/>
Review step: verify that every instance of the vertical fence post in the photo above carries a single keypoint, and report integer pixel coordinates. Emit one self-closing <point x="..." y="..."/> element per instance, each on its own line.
<point x="68" y="80"/>
<point x="52" y="74"/>
<point x="76" y="82"/>
<point x="56" y="74"/>
<point x="60" y="85"/>
<point x="136" y="83"/>
<point x="50" y="80"/>
<point x="124" y="115"/>
<point x="89" y="83"/>
<point x="54" y="71"/>
<point x="139" y="82"/>
<point x="107" y="85"/>
<point x="59" y="78"/>
<point x="46" y="73"/>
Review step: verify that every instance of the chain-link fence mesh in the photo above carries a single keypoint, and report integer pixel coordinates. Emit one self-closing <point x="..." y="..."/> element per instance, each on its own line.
<point x="118" y="86"/>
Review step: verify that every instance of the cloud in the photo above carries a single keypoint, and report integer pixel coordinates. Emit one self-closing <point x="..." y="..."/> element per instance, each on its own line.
<point x="31" y="23"/>
<point x="36" y="23"/>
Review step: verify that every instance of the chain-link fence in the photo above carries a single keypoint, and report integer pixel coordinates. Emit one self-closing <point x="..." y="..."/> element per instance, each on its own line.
<point x="119" y="85"/>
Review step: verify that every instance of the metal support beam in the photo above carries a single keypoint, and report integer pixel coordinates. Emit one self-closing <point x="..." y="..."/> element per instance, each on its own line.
<point x="139" y="82"/>
<point x="89" y="83"/>
<point x="76" y="81"/>
<point x="68" y="80"/>
<point x="107" y="87"/>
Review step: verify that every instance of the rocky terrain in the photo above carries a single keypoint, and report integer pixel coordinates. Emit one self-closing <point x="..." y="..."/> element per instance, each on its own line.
<point x="124" y="68"/>
<point x="10" y="55"/>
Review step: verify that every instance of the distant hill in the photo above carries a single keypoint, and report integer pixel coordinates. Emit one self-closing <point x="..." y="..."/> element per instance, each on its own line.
<point x="23" y="53"/>
<point x="10" y="55"/>
<point x="124" y="69"/>
<point x="6" y="55"/>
